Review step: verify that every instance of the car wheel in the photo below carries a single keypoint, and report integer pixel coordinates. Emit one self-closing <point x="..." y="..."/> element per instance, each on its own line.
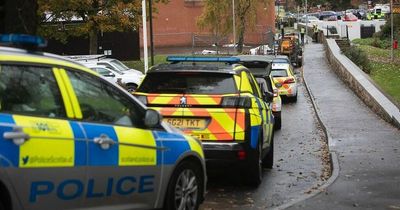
<point x="254" y="174"/>
<point x="278" y="123"/>
<point x="294" y="98"/>
<point x="185" y="188"/>
<point x="268" y="160"/>
<point x="131" y="87"/>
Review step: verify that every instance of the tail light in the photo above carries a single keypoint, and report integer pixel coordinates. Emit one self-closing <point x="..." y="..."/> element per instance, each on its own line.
<point x="290" y="80"/>
<point x="276" y="92"/>
<point x="142" y="99"/>
<point x="236" y="102"/>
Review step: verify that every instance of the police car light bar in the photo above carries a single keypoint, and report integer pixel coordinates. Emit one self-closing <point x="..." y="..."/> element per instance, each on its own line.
<point x="177" y="59"/>
<point x="23" y="40"/>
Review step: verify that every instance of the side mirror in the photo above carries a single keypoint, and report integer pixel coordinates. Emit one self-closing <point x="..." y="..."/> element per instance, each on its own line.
<point x="152" y="118"/>
<point x="268" y="97"/>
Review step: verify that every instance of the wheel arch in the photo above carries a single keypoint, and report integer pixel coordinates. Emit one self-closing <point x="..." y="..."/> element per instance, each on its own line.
<point x="5" y="197"/>
<point x="199" y="161"/>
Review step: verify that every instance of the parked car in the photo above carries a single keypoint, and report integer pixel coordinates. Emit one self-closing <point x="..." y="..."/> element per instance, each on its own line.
<point x="350" y="17"/>
<point x="285" y="80"/>
<point x="115" y="76"/>
<point x="309" y="19"/>
<point x="219" y="102"/>
<point x="260" y="67"/>
<point x="135" y="76"/>
<point x="69" y="139"/>
<point x="326" y="14"/>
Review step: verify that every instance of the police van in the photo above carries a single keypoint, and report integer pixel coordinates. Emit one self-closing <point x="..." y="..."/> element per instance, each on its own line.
<point x="69" y="139"/>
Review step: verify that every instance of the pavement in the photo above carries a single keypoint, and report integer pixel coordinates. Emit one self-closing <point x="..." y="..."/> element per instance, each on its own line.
<point x="368" y="148"/>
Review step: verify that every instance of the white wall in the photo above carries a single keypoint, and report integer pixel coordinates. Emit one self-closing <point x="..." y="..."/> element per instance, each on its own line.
<point x="354" y="27"/>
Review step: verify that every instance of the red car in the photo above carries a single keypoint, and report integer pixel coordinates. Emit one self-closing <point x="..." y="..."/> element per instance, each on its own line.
<point x="350" y="17"/>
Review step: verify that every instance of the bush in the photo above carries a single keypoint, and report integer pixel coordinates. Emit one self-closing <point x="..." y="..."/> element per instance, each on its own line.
<point x="381" y="43"/>
<point x="359" y="57"/>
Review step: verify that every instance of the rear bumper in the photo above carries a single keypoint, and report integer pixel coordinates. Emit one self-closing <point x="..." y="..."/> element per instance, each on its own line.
<point x="220" y="154"/>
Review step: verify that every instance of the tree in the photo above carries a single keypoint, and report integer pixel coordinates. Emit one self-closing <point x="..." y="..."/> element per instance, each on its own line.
<point x="64" y="18"/>
<point x="18" y="16"/>
<point x="215" y="20"/>
<point x="217" y="16"/>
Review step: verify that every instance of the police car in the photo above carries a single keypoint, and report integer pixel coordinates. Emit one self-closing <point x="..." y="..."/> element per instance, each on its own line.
<point x="284" y="79"/>
<point x="69" y="139"/>
<point x="260" y="67"/>
<point x="219" y="102"/>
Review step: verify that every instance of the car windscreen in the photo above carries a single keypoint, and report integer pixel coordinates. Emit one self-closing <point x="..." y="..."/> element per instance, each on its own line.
<point x="188" y="82"/>
<point x="279" y="73"/>
<point x="120" y="65"/>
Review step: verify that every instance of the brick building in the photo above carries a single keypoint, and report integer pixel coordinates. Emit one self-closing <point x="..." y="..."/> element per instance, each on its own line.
<point x="175" y="24"/>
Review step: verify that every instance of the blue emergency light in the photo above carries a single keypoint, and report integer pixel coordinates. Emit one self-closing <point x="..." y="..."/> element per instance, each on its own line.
<point x="23" y="41"/>
<point x="178" y="59"/>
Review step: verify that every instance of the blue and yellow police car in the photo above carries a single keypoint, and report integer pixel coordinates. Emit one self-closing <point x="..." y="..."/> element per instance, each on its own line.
<point x="70" y="139"/>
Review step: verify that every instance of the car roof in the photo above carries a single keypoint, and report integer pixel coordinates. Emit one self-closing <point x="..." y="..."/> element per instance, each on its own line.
<point x="196" y="67"/>
<point x="22" y="55"/>
<point x="261" y="58"/>
<point x="280" y="66"/>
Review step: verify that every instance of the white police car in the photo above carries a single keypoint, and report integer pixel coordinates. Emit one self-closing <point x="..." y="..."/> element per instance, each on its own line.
<point x="69" y="139"/>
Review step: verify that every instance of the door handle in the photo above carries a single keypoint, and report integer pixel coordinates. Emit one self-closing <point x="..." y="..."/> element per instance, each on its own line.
<point x="104" y="141"/>
<point x="16" y="135"/>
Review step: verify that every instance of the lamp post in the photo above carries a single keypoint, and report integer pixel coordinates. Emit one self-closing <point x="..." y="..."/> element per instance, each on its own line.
<point x="305" y="11"/>
<point x="391" y="30"/>
<point x="145" y="54"/>
<point x="234" y="25"/>
<point x="151" y="31"/>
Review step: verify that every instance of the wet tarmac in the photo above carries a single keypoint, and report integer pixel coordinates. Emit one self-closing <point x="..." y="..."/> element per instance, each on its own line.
<point x="300" y="166"/>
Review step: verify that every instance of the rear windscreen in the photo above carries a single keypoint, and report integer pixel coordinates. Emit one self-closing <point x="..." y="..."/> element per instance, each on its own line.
<point x="279" y="73"/>
<point x="257" y="68"/>
<point x="188" y="82"/>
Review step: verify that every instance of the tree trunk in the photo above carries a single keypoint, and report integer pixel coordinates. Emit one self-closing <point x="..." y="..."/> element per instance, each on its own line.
<point x="18" y="16"/>
<point x="241" y="35"/>
<point x="93" y="42"/>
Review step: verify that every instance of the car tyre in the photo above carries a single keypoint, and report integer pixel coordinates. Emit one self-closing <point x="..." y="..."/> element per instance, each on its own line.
<point x="254" y="174"/>
<point x="131" y="87"/>
<point x="294" y="98"/>
<point x="278" y="123"/>
<point x="268" y="160"/>
<point x="185" y="189"/>
<point x="2" y="206"/>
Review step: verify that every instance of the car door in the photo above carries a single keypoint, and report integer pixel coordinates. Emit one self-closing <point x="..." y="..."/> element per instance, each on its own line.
<point x="263" y="109"/>
<point x="122" y="154"/>
<point x="42" y="152"/>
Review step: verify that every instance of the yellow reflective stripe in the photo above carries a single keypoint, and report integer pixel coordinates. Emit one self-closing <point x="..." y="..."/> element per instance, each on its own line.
<point x="245" y="83"/>
<point x="237" y="81"/>
<point x="131" y="155"/>
<point x="51" y="143"/>
<point x="71" y="93"/>
<point x="44" y="60"/>
<point x="195" y="145"/>
<point x="64" y="93"/>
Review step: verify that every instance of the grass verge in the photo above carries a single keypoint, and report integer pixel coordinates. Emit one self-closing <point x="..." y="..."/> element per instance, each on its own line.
<point x="383" y="72"/>
<point x="139" y="65"/>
